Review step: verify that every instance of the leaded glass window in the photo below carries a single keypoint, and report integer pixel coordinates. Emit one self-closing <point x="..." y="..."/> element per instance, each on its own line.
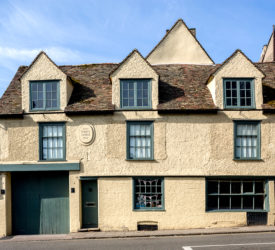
<point x="148" y="193"/>
<point x="44" y="95"/>
<point x="135" y="93"/>
<point x="52" y="141"/>
<point x="239" y="93"/>
<point x="247" y="195"/>
<point x="140" y="140"/>
<point x="247" y="140"/>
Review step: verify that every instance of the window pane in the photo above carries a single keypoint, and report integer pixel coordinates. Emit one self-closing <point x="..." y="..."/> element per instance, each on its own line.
<point x="139" y="141"/>
<point x="212" y="202"/>
<point x="245" y="195"/>
<point x="224" y="202"/>
<point x="248" y="187"/>
<point x="259" y="202"/>
<point x="236" y="202"/>
<point x="238" y="93"/>
<point x="44" y="95"/>
<point x="259" y="187"/>
<point x="135" y="93"/>
<point x="40" y="87"/>
<point x="212" y="187"/>
<point x="52" y="141"/>
<point x="148" y="193"/>
<point x="246" y="140"/>
<point x="224" y="187"/>
<point x="34" y="87"/>
<point x="236" y="187"/>
<point x="248" y="202"/>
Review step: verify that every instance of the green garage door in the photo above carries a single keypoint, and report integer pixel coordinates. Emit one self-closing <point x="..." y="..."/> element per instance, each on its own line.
<point x="40" y="202"/>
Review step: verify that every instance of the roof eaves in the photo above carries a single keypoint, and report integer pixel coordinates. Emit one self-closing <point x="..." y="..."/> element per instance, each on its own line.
<point x="188" y="111"/>
<point x="89" y="112"/>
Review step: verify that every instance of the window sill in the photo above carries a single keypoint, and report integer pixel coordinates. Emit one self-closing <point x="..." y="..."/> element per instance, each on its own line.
<point x="53" y="160"/>
<point x="149" y="210"/>
<point x="237" y="210"/>
<point x="135" y="109"/>
<point x="139" y="159"/>
<point x="244" y="160"/>
<point x="239" y="108"/>
<point x="47" y="110"/>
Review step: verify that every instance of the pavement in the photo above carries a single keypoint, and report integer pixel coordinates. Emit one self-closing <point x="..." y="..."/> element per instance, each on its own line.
<point x="137" y="234"/>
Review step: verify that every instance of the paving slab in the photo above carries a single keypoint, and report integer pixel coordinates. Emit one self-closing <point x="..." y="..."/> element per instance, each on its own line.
<point x="136" y="234"/>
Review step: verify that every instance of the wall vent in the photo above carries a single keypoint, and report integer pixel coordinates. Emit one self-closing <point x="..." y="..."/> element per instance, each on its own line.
<point x="147" y="226"/>
<point x="256" y="218"/>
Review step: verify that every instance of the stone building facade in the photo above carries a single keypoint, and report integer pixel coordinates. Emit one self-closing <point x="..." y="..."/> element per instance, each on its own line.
<point x="170" y="141"/>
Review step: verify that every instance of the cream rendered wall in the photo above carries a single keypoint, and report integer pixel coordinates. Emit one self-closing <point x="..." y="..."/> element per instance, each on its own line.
<point x="44" y="69"/>
<point x="135" y="67"/>
<point x="184" y="206"/>
<point x="183" y="144"/>
<point x="179" y="46"/>
<point x="5" y="205"/>
<point x="237" y="67"/>
<point x="269" y="54"/>
<point x="212" y="88"/>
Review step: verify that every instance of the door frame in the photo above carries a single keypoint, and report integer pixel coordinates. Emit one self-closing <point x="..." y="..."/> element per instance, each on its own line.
<point x="88" y="178"/>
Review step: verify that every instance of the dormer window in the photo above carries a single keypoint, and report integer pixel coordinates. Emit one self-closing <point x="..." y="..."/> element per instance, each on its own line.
<point x="44" y="95"/>
<point x="239" y="93"/>
<point x="135" y="94"/>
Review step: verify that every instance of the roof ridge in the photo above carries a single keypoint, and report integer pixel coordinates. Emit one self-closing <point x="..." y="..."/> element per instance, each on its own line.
<point x="75" y="65"/>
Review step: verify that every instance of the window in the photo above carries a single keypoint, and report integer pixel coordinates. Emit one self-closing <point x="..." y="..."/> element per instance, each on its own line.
<point x="148" y="193"/>
<point x="52" y="141"/>
<point x="247" y="140"/>
<point x="135" y="94"/>
<point x="247" y="195"/>
<point x="140" y="140"/>
<point x="44" y="95"/>
<point x="239" y="93"/>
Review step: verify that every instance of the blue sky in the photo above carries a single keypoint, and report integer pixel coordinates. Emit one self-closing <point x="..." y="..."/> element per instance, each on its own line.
<point x="94" y="31"/>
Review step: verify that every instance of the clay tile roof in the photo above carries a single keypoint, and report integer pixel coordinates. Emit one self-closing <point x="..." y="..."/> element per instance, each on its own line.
<point x="92" y="87"/>
<point x="182" y="87"/>
<point x="10" y="102"/>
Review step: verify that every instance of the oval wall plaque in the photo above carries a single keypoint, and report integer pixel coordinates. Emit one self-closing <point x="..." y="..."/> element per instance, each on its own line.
<point x="86" y="134"/>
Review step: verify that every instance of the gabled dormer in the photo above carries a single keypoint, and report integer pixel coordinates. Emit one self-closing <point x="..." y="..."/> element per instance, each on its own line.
<point x="179" y="46"/>
<point x="237" y="83"/>
<point x="134" y="84"/>
<point x="45" y="87"/>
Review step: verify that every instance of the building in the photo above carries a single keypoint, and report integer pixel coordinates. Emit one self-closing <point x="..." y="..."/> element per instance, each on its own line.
<point x="170" y="141"/>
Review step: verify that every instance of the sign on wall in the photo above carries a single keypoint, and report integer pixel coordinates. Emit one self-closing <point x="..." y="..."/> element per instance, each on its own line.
<point x="86" y="134"/>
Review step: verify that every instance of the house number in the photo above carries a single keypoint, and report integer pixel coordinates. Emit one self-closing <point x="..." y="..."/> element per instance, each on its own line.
<point x="86" y="134"/>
